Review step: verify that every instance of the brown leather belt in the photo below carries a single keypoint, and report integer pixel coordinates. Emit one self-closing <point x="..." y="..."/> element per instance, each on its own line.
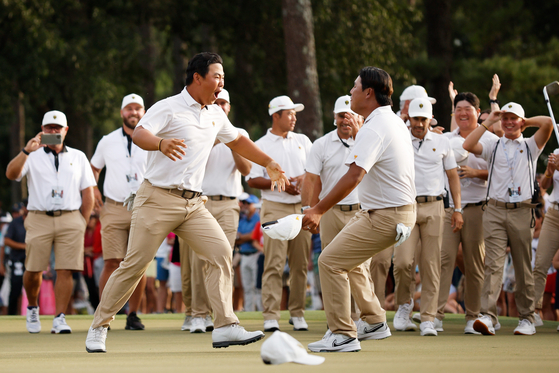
<point x="184" y="193"/>
<point x="113" y="202"/>
<point x="52" y="212"/>
<point x="425" y="199"/>
<point x="353" y="207"/>
<point x="220" y="198"/>
<point x="509" y="205"/>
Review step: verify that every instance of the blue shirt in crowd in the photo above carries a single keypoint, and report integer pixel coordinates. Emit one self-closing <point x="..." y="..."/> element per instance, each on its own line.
<point x="247" y="225"/>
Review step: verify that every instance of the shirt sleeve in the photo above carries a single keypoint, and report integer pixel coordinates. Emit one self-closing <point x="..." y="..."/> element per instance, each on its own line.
<point x="314" y="161"/>
<point x="98" y="159"/>
<point x="157" y="117"/>
<point x="449" y="162"/>
<point x="227" y="132"/>
<point x="88" y="180"/>
<point x="367" y="149"/>
<point x="26" y="166"/>
<point x="244" y="133"/>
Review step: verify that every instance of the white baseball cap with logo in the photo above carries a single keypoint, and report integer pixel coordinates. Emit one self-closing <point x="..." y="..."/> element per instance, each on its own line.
<point x="420" y="107"/>
<point x="224" y="95"/>
<point x="343" y="104"/>
<point x="416" y="91"/>
<point x="283" y="103"/>
<point x="132" y="99"/>
<point x="284" y="229"/>
<point x="513" y="107"/>
<point x="282" y="348"/>
<point x="55" y="117"/>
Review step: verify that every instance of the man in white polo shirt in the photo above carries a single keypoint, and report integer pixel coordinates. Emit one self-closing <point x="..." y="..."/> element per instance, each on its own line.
<point x="290" y="149"/>
<point x="473" y="189"/>
<point x="433" y="158"/>
<point x="508" y="217"/>
<point x="381" y="163"/>
<point x="60" y="184"/>
<point x="222" y="185"/>
<point x="179" y="133"/>
<point x="126" y="165"/>
<point x="325" y="167"/>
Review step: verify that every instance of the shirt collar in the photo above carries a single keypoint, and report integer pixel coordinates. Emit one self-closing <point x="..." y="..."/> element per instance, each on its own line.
<point x="334" y="137"/>
<point x="190" y="101"/>
<point x="378" y="111"/>
<point x="428" y="136"/>
<point x="517" y="140"/>
<point x="276" y="137"/>
<point x="49" y="150"/>
<point x="124" y="134"/>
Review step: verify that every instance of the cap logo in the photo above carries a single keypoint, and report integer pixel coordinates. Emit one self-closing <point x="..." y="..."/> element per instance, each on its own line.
<point x="346" y="102"/>
<point x="133" y="97"/>
<point x="510" y="106"/>
<point x="54" y="116"/>
<point x="421" y="106"/>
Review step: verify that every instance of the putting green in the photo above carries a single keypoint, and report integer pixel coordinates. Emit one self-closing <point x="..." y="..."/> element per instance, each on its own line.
<point x="163" y="347"/>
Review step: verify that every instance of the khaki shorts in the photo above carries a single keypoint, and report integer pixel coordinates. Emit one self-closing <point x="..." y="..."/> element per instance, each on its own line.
<point x="64" y="232"/>
<point x="115" y="228"/>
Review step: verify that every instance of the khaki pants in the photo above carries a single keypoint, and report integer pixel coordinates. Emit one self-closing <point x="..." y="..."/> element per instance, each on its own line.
<point x="275" y="251"/>
<point x="429" y="229"/>
<point x="193" y="269"/>
<point x="380" y="267"/>
<point x="368" y="233"/>
<point x="473" y="249"/>
<point x="547" y="247"/>
<point x="156" y="213"/>
<point x="115" y="229"/>
<point x="332" y="223"/>
<point x="504" y="227"/>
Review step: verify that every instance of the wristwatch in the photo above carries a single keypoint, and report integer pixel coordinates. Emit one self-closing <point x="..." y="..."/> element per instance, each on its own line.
<point x="304" y="208"/>
<point x="459" y="210"/>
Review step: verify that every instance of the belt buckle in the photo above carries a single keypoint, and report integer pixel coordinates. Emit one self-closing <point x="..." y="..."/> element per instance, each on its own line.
<point x="183" y="194"/>
<point x="54" y="213"/>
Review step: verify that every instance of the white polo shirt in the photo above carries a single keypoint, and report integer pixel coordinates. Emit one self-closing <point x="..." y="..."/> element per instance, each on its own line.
<point x="222" y="177"/>
<point x="433" y="156"/>
<point x="518" y="160"/>
<point x="125" y="171"/>
<point x="383" y="149"/>
<point x="327" y="159"/>
<point x="290" y="153"/>
<point x="554" y="196"/>
<point x="50" y="189"/>
<point x="181" y="117"/>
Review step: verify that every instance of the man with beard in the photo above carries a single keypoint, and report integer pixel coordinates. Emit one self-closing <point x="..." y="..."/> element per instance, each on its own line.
<point x="126" y="165"/>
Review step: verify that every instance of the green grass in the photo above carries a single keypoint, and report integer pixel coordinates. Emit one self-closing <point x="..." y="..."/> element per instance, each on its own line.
<point x="162" y="347"/>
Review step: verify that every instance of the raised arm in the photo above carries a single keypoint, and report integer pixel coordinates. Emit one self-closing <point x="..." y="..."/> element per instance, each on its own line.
<point x="471" y="143"/>
<point x="13" y="171"/>
<point x="545" y="126"/>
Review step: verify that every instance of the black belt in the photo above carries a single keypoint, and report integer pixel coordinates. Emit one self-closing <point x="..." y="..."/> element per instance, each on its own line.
<point x="353" y="207"/>
<point x="220" y="198"/>
<point x="425" y="199"/>
<point x="474" y="204"/>
<point x="186" y="194"/>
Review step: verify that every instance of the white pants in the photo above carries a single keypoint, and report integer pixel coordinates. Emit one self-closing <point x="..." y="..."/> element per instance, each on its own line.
<point x="249" y="272"/>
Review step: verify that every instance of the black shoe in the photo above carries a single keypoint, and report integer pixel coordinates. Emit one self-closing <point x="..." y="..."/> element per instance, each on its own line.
<point x="133" y="322"/>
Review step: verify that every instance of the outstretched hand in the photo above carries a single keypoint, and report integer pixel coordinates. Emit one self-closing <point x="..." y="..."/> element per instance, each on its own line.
<point x="34" y="143"/>
<point x="495" y="88"/>
<point x="277" y="176"/>
<point x="173" y="148"/>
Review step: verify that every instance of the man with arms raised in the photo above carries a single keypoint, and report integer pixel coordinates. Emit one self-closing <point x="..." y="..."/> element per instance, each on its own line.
<point x="179" y="133"/>
<point x="382" y="161"/>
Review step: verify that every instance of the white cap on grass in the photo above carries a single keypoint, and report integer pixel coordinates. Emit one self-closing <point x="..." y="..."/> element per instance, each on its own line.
<point x="282" y="348"/>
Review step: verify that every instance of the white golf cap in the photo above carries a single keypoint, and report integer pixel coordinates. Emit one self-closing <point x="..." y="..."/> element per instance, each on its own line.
<point x="420" y="107"/>
<point x="224" y="95"/>
<point x="132" y="99"/>
<point x="283" y="103"/>
<point x="416" y="91"/>
<point x="55" y="117"/>
<point x="284" y="229"/>
<point x="342" y="105"/>
<point x="282" y="348"/>
<point x="513" y="107"/>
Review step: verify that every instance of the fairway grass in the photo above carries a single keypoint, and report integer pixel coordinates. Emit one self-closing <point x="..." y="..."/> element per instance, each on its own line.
<point x="163" y="347"/>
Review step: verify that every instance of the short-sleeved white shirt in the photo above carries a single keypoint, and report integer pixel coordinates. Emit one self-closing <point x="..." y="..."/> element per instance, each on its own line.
<point x="472" y="190"/>
<point x="125" y="171"/>
<point x="327" y="159"/>
<point x="290" y="153"/>
<point x="433" y="156"/>
<point x="383" y="149"/>
<point x="50" y="189"/>
<point x="554" y="197"/>
<point x="181" y="117"/>
<point x="222" y="177"/>
<point x="501" y="175"/>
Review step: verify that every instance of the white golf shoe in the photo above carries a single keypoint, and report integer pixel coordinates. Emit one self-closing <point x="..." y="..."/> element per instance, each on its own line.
<point x="335" y="343"/>
<point x="484" y="325"/>
<point x="469" y="329"/>
<point x="33" y="322"/>
<point x="427" y="328"/>
<point x="271" y="325"/>
<point x="187" y="322"/>
<point x="372" y="331"/>
<point x="402" y="321"/>
<point x="525" y="327"/>
<point x="299" y="323"/>
<point x="198" y="325"/>
<point x="95" y="341"/>
<point x="59" y="325"/>
<point x="234" y="334"/>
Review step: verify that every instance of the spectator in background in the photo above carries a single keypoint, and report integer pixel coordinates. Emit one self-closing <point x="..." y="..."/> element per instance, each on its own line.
<point x="15" y="239"/>
<point x="5" y="221"/>
<point x="162" y="258"/>
<point x="249" y="253"/>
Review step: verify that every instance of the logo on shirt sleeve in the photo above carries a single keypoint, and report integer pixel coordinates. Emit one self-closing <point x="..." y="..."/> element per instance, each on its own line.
<point x="355" y="156"/>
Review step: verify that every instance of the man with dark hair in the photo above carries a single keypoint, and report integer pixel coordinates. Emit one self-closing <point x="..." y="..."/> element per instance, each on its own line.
<point x="508" y="215"/>
<point x="291" y="149"/>
<point x="381" y="163"/>
<point x="179" y="133"/>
